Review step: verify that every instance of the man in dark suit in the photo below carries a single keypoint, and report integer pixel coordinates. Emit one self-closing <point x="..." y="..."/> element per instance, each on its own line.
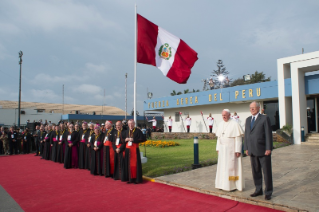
<point x="258" y="145"/>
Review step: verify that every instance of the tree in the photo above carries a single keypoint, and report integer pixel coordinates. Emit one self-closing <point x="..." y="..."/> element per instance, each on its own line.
<point x="186" y="91"/>
<point x="173" y="93"/>
<point x="220" y="72"/>
<point x="254" y="78"/>
<point x="239" y="81"/>
<point x="258" y="77"/>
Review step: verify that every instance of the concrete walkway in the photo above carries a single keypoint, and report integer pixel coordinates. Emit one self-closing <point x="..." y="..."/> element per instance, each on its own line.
<point x="295" y="179"/>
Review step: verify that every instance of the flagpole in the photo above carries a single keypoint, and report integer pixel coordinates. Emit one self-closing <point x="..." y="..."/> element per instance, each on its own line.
<point x="204" y="122"/>
<point x="135" y="61"/>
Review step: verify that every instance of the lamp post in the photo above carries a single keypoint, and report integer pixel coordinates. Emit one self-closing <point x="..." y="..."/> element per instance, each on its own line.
<point x="19" y="104"/>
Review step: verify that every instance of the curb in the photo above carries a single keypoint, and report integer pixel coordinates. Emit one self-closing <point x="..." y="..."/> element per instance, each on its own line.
<point x="148" y="179"/>
<point x="232" y="197"/>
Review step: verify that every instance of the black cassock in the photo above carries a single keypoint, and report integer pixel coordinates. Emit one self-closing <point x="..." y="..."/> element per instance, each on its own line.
<point x="71" y="153"/>
<point x="41" y="138"/>
<point x="61" y="146"/>
<point x="54" y="149"/>
<point x="133" y="165"/>
<point x="47" y="146"/>
<point x="118" y="141"/>
<point x="96" y="155"/>
<point x="89" y="151"/>
<point x="108" y="153"/>
<point x="26" y="143"/>
<point x="83" y="137"/>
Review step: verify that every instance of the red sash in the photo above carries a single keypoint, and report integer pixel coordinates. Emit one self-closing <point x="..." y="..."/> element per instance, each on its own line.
<point x="109" y="144"/>
<point x="133" y="159"/>
<point x="83" y="141"/>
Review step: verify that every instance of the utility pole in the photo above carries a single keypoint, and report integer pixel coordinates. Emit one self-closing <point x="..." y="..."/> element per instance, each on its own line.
<point x="19" y="106"/>
<point x="125" y="95"/>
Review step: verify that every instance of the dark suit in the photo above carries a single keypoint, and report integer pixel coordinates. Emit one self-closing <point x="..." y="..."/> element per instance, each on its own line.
<point x="258" y="139"/>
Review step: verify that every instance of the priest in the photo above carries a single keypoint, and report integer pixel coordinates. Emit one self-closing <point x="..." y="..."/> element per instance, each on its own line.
<point x="47" y="144"/>
<point x="96" y="143"/>
<point x="88" y="146"/>
<point x="54" y="143"/>
<point x="229" y="174"/>
<point x="108" y="150"/>
<point x="83" y="135"/>
<point x="71" y="149"/>
<point x="119" y="142"/>
<point x="133" y="165"/>
<point x="61" y="143"/>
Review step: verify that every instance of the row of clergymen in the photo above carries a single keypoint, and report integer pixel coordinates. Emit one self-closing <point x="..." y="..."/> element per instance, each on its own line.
<point x="114" y="153"/>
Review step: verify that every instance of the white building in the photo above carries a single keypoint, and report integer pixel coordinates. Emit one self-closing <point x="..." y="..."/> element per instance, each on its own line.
<point x="285" y="101"/>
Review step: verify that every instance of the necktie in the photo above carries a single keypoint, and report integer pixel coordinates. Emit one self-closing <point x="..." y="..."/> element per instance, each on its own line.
<point x="252" y="123"/>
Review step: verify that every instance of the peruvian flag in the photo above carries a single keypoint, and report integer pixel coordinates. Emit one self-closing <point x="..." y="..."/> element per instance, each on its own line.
<point x="157" y="47"/>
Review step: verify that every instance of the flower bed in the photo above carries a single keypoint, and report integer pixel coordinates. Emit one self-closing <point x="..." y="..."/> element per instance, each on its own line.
<point x="161" y="144"/>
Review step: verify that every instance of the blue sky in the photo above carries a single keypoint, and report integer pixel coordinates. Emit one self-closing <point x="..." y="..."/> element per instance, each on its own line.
<point x="89" y="45"/>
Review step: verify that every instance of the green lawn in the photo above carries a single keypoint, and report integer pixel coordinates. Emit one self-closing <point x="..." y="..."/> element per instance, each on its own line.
<point x="169" y="160"/>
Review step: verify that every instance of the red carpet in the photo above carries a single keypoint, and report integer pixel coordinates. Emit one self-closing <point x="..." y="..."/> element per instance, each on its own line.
<point x="40" y="185"/>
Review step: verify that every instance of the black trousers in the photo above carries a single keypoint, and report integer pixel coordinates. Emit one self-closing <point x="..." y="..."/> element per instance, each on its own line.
<point x="1" y="148"/>
<point x="37" y="147"/>
<point x="188" y="129"/>
<point x="262" y="166"/>
<point x="210" y="129"/>
<point x="26" y="147"/>
<point x="13" y="145"/>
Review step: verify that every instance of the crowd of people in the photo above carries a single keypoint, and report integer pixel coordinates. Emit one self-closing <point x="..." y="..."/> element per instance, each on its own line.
<point x="101" y="149"/>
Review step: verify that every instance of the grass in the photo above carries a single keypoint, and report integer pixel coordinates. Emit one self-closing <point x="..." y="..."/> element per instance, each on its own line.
<point x="170" y="160"/>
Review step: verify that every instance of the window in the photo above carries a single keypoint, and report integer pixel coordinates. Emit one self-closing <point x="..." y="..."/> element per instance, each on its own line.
<point x="177" y="117"/>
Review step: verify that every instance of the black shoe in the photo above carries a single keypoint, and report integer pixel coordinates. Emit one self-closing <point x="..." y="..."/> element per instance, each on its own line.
<point x="128" y="182"/>
<point x="267" y="197"/>
<point x="255" y="194"/>
<point x="36" y="155"/>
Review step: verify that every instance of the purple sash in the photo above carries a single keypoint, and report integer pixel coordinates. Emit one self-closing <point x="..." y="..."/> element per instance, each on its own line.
<point x="75" y="157"/>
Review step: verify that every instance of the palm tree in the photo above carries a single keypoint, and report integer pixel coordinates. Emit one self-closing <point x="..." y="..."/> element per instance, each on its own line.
<point x="173" y="93"/>
<point x="186" y="91"/>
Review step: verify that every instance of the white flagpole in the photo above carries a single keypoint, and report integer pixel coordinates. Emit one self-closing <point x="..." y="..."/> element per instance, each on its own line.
<point x="135" y="61"/>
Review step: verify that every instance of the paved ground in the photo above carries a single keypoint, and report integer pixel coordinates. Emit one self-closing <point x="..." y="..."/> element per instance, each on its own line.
<point x="295" y="178"/>
<point x="7" y="203"/>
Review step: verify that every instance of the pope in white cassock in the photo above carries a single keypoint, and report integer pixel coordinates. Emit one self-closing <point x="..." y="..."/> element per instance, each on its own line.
<point x="229" y="174"/>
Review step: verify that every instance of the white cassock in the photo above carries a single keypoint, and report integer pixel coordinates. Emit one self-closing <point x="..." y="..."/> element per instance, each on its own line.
<point x="229" y="174"/>
<point x="236" y="118"/>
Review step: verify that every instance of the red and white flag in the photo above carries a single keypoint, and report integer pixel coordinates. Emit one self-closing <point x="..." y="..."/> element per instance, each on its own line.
<point x="180" y="113"/>
<point x="157" y="47"/>
<point x="201" y="113"/>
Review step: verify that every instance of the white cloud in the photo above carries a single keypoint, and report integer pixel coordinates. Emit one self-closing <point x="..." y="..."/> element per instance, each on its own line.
<point x="46" y="78"/>
<point x="96" y="68"/>
<point x="9" y="28"/>
<point x="43" y="95"/>
<point x="50" y="15"/>
<point x="88" y="89"/>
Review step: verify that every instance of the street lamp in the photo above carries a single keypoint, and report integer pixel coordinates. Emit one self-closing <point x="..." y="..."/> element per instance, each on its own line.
<point x="221" y="79"/>
<point x="19" y="104"/>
